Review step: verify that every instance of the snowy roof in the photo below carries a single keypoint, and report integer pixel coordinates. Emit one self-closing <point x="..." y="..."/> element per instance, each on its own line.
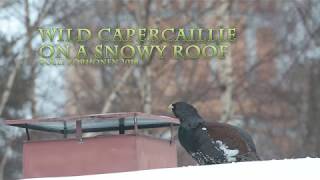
<point x="306" y="168"/>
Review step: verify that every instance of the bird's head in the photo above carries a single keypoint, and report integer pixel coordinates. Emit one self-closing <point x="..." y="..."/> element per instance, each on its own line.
<point x="184" y="112"/>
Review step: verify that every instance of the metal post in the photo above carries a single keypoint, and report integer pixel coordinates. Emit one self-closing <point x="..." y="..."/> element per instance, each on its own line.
<point x="27" y="132"/>
<point x="171" y="133"/>
<point x="79" y="130"/>
<point x="121" y="126"/>
<point x="65" y="129"/>
<point x="135" y="123"/>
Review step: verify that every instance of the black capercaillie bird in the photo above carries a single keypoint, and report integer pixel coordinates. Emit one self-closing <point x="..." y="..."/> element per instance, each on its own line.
<point x="212" y="142"/>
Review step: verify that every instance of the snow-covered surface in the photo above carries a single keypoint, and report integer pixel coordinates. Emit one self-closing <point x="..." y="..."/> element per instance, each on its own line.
<point x="306" y="168"/>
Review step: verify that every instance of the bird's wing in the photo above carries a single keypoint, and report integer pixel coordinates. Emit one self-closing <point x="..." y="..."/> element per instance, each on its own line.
<point x="247" y="138"/>
<point x="208" y="151"/>
<point x="199" y="145"/>
<point x="231" y="136"/>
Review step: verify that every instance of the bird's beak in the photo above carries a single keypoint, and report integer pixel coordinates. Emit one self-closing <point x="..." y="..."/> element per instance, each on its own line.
<point x="170" y="108"/>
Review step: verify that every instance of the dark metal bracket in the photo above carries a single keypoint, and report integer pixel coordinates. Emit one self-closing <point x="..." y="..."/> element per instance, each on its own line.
<point x="135" y="123"/>
<point x="27" y="132"/>
<point x="121" y="126"/>
<point x="79" y="130"/>
<point x="65" y="135"/>
<point x="171" y="134"/>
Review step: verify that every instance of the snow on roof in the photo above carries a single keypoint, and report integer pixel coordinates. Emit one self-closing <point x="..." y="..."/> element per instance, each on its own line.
<point x="305" y="168"/>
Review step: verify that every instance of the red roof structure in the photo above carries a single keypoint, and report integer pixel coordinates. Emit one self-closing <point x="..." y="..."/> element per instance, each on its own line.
<point x="102" y="154"/>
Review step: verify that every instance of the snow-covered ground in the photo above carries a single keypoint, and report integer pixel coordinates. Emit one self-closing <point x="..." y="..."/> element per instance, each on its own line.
<point x="305" y="169"/>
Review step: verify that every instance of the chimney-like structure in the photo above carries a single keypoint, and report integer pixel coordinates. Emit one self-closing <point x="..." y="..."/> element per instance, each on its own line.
<point x="125" y="148"/>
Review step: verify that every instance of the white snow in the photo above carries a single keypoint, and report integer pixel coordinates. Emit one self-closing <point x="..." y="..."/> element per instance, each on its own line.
<point x="293" y="169"/>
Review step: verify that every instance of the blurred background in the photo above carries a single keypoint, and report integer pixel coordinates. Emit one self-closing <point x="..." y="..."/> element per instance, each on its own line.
<point x="268" y="84"/>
